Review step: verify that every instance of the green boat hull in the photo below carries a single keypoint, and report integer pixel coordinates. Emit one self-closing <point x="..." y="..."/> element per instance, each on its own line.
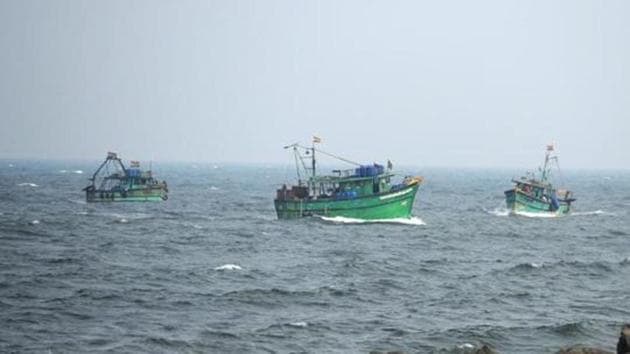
<point x="136" y="195"/>
<point x="390" y="205"/>
<point x="521" y="203"/>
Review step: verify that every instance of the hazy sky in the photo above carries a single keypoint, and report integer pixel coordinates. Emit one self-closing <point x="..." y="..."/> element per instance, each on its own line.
<point x="450" y="83"/>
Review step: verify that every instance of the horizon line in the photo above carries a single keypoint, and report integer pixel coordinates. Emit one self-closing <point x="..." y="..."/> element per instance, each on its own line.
<point x="276" y="163"/>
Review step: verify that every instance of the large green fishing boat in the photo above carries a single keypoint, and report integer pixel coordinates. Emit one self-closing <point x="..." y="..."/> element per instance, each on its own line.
<point x="113" y="182"/>
<point x="365" y="192"/>
<point x="537" y="196"/>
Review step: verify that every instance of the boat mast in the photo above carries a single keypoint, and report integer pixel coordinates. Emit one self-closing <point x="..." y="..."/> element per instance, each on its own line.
<point x="111" y="156"/>
<point x="299" y="158"/>
<point x="296" y="155"/>
<point x="313" y="163"/>
<point x="545" y="171"/>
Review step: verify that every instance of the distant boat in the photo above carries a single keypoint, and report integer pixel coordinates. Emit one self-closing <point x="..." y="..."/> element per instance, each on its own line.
<point x="538" y="196"/>
<point x="113" y="182"/>
<point x="365" y="192"/>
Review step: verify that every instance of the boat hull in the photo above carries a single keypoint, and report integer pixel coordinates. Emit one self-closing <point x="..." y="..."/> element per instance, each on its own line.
<point x="391" y="205"/>
<point x="520" y="203"/>
<point x="136" y="195"/>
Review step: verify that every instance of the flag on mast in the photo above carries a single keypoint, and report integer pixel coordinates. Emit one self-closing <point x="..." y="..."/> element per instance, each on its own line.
<point x="316" y="139"/>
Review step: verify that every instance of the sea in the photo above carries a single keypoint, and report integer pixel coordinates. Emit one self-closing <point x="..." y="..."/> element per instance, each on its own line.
<point x="212" y="270"/>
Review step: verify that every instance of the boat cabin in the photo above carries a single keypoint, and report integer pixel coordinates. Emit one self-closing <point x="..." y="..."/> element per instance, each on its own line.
<point x="540" y="190"/>
<point x="363" y="181"/>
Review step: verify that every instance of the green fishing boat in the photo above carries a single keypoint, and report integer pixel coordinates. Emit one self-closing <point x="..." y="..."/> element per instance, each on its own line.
<point x="537" y="196"/>
<point x="365" y="192"/>
<point x="113" y="182"/>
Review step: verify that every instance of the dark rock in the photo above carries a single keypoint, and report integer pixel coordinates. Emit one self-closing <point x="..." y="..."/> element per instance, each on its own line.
<point x="578" y="349"/>
<point x="485" y="350"/>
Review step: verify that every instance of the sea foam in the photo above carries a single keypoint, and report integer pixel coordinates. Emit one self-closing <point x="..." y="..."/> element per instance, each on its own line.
<point x="415" y="221"/>
<point x="228" y="267"/>
<point x="466" y="346"/>
<point x="594" y="212"/>
<point x="507" y="212"/>
<point x="536" y="215"/>
<point x="298" y="324"/>
<point x="499" y="212"/>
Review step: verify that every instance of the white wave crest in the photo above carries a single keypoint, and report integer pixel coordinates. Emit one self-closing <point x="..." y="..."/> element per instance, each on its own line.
<point x="63" y="171"/>
<point x="499" y="212"/>
<point x="79" y="172"/>
<point x="28" y="184"/>
<point x="466" y="346"/>
<point x="415" y="221"/>
<point x="213" y="188"/>
<point x="228" y="267"/>
<point x="34" y="222"/>
<point x="127" y="217"/>
<point x="298" y="324"/>
<point x="555" y="215"/>
<point x="544" y="214"/>
<point x="594" y="212"/>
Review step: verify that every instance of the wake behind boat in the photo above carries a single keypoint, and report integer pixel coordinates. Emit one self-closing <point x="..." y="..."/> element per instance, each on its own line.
<point x="365" y="192"/>
<point x="113" y="182"/>
<point x="533" y="196"/>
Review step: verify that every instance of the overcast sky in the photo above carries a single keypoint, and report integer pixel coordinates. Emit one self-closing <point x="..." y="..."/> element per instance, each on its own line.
<point x="428" y="83"/>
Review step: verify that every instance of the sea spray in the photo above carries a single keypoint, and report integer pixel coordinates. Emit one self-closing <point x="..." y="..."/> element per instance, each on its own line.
<point x="413" y="221"/>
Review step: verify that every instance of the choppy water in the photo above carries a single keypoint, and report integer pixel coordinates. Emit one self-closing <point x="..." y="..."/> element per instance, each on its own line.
<point x="212" y="270"/>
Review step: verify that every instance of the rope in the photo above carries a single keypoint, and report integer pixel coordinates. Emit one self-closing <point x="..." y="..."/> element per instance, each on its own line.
<point x="299" y="159"/>
<point x="333" y="156"/>
<point x="297" y="167"/>
<point x="560" y="174"/>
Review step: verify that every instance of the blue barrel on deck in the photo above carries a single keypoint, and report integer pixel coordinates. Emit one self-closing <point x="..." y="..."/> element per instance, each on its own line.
<point x="555" y="205"/>
<point x="133" y="172"/>
<point x="369" y="170"/>
<point x="347" y="195"/>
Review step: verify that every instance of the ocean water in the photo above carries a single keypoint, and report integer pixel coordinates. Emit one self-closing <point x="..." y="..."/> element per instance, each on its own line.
<point x="212" y="270"/>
